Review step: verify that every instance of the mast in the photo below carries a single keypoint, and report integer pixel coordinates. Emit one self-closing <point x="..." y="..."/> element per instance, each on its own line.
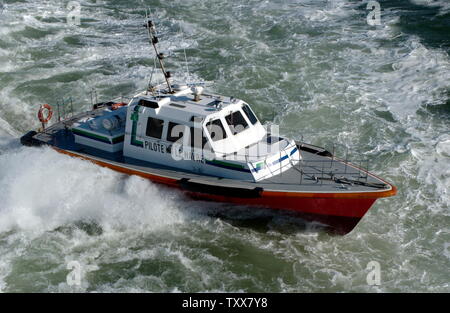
<point x="153" y="38"/>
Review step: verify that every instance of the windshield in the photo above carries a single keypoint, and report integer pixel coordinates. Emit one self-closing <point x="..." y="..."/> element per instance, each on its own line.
<point x="216" y="130"/>
<point x="236" y="122"/>
<point x="250" y="115"/>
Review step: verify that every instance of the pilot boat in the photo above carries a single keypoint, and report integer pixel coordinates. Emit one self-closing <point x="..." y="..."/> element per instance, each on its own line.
<point x="214" y="148"/>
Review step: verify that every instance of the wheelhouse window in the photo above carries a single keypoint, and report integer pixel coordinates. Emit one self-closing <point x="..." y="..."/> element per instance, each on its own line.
<point x="250" y="115"/>
<point x="216" y="130"/>
<point x="236" y="122"/>
<point x="175" y="131"/>
<point x="154" y="128"/>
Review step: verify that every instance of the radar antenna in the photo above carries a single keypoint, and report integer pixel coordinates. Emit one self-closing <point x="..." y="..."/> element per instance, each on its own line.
<point x="153" y="38"/>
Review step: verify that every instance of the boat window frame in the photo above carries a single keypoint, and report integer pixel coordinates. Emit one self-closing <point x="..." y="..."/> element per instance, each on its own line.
<point x="169" y="137"/>
<point x="160" y="127"/>
<point x="221" y="126"/>
<point x="246" y="106"/>
<point x="231" y="124"/>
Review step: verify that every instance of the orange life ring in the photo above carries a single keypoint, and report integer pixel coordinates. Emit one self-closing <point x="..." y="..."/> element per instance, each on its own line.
<point x="116" y="106"/>
<point x="46" y="119"/>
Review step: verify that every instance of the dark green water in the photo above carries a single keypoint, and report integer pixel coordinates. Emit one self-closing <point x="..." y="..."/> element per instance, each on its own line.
<point x="314" y="67"/>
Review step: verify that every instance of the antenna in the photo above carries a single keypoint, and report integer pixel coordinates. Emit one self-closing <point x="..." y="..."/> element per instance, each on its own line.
<point x="185" y="58"/>
<point x="153" y="38"/>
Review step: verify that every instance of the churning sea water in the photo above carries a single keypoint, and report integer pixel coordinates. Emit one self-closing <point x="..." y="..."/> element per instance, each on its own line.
<point x="316" y="68"/>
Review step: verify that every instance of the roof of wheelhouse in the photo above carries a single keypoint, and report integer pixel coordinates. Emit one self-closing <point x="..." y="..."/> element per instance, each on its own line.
<point x="182" y="106"/>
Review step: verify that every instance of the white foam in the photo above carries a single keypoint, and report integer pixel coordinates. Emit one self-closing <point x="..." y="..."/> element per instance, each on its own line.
<point x="434" y="171"/>
<point x="39" y="197"/>
<point x="6" y="129"/>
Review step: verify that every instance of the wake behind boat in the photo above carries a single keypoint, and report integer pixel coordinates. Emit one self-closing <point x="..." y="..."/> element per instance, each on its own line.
<point x="214" y="147"/>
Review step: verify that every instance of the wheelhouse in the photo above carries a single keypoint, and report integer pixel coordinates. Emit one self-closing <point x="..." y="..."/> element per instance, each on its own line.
<point x="204" y="133"/>
<point x="222" y="127"/>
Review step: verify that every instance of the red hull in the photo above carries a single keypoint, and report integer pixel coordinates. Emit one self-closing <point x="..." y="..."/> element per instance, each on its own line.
<point x="340" y="211"/>
<point x="341" y="214"/>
